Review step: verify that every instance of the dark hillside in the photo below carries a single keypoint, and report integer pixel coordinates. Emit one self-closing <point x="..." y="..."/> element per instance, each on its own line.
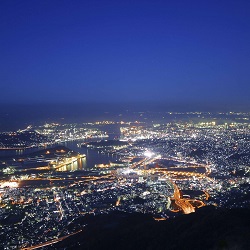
<point x="208" y="228"/>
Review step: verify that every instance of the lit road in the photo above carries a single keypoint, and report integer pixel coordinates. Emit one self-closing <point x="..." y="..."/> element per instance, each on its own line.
<point x="145" y="161"/>
<point x="183" y="204"/>
<point x="51" y="242"/>
<point x="206" y="166"/>
<point x="207" y="194"/>
<point x="170" y="172"/>
<point x="136" y="164"/>
<point x="59" y="205"/>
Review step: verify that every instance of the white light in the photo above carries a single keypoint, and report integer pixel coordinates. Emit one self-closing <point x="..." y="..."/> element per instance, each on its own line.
<point x="148" y="154"/>
<point x="10" y="184"/>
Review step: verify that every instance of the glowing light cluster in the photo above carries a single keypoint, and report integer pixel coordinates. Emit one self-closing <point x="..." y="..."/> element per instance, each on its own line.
<point x="11" y="184"/>
<point x="148" y="154"/>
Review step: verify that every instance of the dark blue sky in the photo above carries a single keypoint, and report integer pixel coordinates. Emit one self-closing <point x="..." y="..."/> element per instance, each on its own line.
<point x="125" y="51"/>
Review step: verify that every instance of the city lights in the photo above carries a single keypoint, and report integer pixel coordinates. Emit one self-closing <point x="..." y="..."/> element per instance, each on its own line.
<point x="148" y="154"/>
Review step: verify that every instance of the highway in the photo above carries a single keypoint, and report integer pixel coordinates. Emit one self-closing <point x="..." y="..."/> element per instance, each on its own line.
<point x="51" y="242"/>
<point x="206" y="166"/>
<point x="170" y="172"/>
<point x="183" y="204"/>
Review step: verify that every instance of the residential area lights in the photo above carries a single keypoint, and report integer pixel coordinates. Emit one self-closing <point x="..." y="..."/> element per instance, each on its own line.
<point x="162" y="168"/>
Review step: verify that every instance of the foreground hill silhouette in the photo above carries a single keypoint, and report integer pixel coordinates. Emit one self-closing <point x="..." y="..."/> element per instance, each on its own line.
<point x="208" y="228"/>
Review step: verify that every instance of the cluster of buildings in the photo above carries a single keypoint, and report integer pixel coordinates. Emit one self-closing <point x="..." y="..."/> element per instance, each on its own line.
<point x="49" y="134"/>
<point x="30" y="216"/>
<point x="164" y="168"/>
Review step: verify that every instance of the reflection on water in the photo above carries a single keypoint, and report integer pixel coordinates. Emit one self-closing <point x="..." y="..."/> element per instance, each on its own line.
<point x="92" y="158"/>
<point x="79" y="164"/>
<point x="17" y="152"/>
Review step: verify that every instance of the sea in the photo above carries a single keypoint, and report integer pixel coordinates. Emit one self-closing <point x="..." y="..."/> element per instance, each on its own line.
<point x="18" y="116"/>
<point x="15" y="117"/>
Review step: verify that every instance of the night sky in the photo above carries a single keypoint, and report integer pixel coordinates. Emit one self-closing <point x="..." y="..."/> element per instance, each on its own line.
<point x="125" y="51"/>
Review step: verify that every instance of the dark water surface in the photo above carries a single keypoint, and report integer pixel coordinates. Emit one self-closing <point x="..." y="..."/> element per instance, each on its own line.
<point x="92" y="156"/>
<point x="19" y="116"/>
